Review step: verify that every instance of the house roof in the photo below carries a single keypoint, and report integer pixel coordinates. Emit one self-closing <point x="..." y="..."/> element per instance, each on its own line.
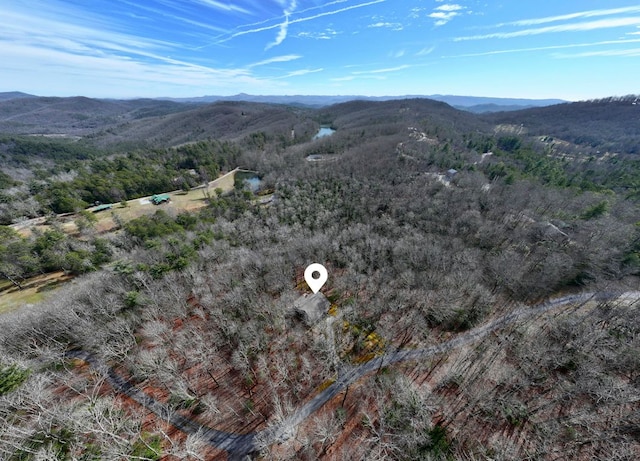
<point x="104" y="206"/>
<point x="160" y="198"/>
<point x="312" y="307"/>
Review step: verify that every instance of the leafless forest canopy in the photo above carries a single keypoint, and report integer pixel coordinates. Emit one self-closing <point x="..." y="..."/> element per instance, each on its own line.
<point x="435" y="225"/>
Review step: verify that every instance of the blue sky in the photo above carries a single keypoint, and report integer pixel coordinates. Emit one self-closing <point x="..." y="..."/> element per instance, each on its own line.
<point x="569" y="49"/>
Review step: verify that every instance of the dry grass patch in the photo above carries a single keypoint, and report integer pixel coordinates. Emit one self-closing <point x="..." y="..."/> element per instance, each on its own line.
<point x="181" y="201"/>
<point x="34" y="290"/>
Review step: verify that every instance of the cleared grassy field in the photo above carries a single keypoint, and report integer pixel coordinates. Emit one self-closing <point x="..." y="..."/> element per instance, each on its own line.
<point x="34" y="290"/>
<point x="180" y="201"/>
<point x="106" y="220"/>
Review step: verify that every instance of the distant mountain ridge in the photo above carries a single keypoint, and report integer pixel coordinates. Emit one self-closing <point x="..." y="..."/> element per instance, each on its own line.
<point x="470" y="103"/>
<point x="607" y="125"/>
<point x="8" y="95"/>
<point x="477" y="104"/>
<point x="78" y="115"/>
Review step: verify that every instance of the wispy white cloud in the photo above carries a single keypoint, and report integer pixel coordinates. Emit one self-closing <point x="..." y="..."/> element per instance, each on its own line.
<point x="382" y="71"/>
<point x="632" y="52"/>
<point x="386" y="25"/>
<point x="347" y="78"/>
<point x="300" y="20"/>
<point x="282" y="34"/>
<point x="284" y="26"/>
<point x="81" y="52"/>
<point x="200" y="24"/>
<point x="260" y="25"/>
<point x="170" y="15"/>
<point x="299" y="73"/>
<point x="416" y="12"/>
<point x="426" y="51"/>
<point x="326" y="34"/>
<point x="377" y="74"/>
<point x="545" y="48"/>
<point x="634" y="33"/>
<point x="442" y="18"/>
<point x="111" y="75"/>
<point x="338" y="11"/>
<point x="350" y="78"/>
<point x="566" y="17"/>
<point x="226" y="6"/>
<point x="450" y="7"/>
<point x="284" y="58"/>
<point x="445" y="13"/>
<point x="52" y="32"/>
<point x="574" y="27"/>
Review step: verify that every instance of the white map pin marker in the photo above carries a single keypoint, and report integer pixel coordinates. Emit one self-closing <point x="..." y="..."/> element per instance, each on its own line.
<point x="315" y="283"/>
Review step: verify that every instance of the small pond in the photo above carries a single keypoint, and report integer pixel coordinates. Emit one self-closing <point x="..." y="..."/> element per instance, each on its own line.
<point x="253" y="183"/>
<point x="248" y="179"/>
<point x="324" y="131"/>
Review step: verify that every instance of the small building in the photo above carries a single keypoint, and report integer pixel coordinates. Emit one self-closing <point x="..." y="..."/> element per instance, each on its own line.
<point x="451" y="173"/>
<point x="103" y="207"/>
<point x="160" y="198"/>
<point x="312" y="308"/>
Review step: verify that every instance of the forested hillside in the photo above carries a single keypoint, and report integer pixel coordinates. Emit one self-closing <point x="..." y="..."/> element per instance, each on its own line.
<point x="78" y="115"/>
<point x="481" y="293"/>
<point x="609" y="124"/>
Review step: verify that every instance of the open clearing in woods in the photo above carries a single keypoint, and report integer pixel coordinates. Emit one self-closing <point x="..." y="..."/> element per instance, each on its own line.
<point x="34" y="290"/>
<point x="180" y="201"/>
